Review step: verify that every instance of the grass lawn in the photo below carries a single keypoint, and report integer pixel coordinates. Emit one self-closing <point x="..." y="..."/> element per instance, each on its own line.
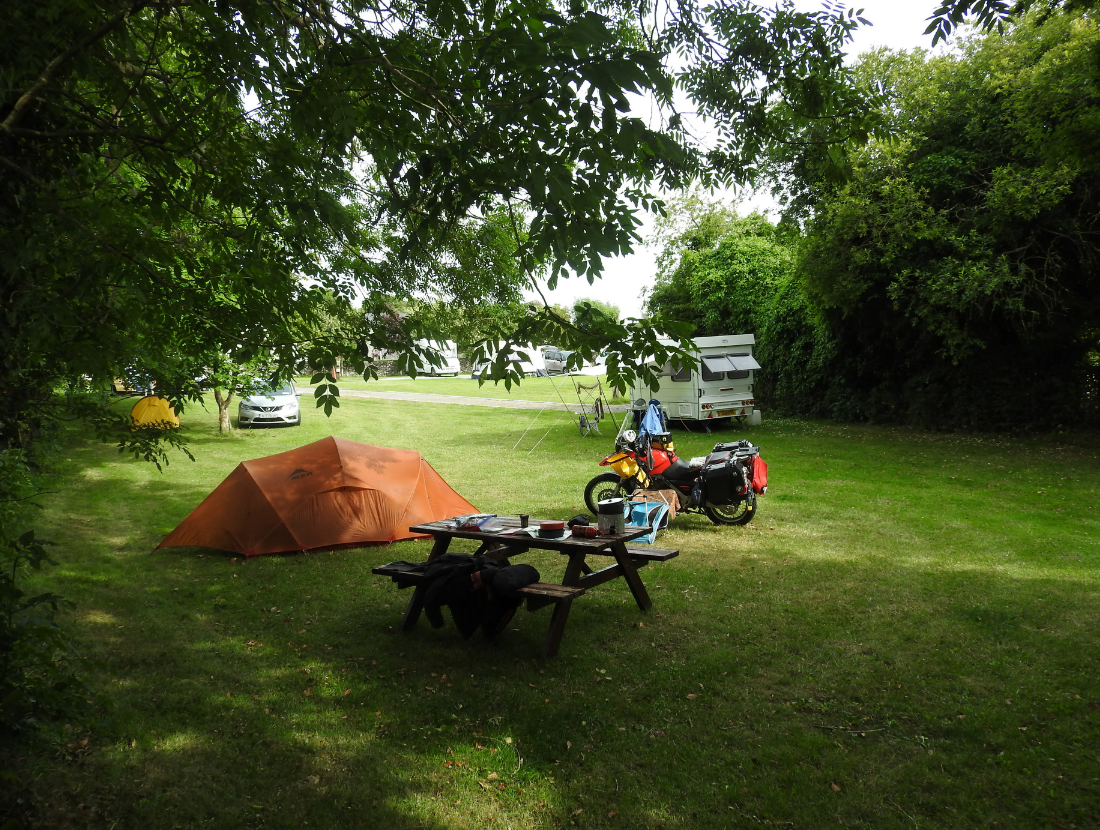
<point x="556" y="388"/>
<point x="905" y="637"/>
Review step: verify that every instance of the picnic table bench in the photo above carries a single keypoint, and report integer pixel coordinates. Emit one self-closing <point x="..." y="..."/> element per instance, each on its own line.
<point x="578" y="578"/>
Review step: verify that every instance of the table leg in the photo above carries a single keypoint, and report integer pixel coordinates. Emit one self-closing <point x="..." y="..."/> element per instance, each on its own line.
<point x="557" y="628"/>
<point x="416" y="603"/>
<point x="574" y="569"/>
<point x="630" y="574"/>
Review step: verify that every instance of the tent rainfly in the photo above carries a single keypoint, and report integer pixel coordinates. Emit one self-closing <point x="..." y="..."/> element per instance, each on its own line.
<point x="327" y="494"/>
<point x="153" y="411"/>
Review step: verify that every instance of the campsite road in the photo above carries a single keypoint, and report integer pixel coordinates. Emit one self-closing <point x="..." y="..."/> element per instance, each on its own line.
<point x="460" y="400"/>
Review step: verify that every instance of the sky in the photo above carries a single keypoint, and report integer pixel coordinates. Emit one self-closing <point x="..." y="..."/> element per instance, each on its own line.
<point x="897" y="24"/>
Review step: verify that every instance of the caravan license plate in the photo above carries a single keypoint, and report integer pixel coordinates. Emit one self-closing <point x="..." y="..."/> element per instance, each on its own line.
<point x="725" y="413"/>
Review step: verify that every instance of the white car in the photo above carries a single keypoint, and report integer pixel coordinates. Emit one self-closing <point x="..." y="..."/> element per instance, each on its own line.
<point x="555" y="360"/>
<point x="271" y="407"/>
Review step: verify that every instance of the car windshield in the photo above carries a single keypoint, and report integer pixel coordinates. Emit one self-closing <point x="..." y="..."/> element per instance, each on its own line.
<point x="273" y="391"/>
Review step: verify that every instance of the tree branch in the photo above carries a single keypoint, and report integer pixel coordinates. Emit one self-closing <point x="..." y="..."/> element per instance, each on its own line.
<point x="44" y="79"/>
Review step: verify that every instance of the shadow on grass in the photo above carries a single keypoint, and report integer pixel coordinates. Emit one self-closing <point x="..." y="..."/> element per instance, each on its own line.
<point x="774" y="682"/>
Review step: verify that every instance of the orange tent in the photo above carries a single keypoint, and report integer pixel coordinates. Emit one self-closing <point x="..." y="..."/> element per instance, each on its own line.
<point x="326" y="494"/>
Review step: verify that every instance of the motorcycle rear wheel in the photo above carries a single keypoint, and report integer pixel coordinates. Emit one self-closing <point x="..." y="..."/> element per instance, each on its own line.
<point x="740" y="513"/>
<point x="604" y="486"/>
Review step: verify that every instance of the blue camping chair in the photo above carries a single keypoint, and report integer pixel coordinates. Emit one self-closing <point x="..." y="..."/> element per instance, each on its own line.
<point x="650" y="514"/>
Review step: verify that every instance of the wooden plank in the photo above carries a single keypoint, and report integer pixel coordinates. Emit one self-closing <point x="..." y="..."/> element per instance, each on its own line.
<point x="652" y="554"/>
<point x="552" y="590"/>
<point x="606" y="574"/>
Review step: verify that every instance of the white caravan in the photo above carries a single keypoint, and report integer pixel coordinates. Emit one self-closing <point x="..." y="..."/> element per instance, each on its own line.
<point x="447" y="350"/>
<point x="720" y="388"/>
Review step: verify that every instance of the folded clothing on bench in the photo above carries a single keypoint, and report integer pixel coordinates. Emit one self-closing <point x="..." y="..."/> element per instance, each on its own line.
<point x="479" y="592"/>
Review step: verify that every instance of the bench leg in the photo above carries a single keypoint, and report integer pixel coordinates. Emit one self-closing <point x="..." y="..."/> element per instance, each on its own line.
<point x="416" y="604"/>
<point x="413" y="609"/>
<point x="557" y="628"/>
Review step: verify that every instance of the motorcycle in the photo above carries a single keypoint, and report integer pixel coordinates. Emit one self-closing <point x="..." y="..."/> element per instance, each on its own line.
<point x="723" y="484"/>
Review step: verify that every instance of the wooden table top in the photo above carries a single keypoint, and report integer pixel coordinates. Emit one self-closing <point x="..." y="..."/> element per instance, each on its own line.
<point x="566" y="543"/>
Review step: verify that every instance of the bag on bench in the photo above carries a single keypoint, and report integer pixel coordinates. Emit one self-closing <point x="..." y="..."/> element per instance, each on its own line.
<point x="479" y="592"/>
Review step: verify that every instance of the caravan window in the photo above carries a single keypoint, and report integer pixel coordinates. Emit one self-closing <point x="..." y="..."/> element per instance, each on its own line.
<point x="680" y="377"/>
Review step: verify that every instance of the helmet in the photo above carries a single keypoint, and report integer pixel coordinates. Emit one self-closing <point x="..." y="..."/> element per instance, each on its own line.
<point x="629" y="437"/>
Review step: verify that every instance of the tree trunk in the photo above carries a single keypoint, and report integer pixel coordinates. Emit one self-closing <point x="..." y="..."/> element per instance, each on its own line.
<point x="223" y="398"/>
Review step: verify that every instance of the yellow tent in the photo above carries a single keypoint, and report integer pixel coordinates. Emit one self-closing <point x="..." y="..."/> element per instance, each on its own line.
<point x="153" y="411"/>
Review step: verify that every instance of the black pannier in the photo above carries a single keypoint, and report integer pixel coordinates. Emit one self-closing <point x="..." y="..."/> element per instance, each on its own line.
<point x="723" y="480"/>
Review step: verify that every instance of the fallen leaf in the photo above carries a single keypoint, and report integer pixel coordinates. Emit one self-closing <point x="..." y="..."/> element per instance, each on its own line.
<point x="568" y="744"/>
<point x="491" y="776"/>
<point x="308" y="691"/>
<point x="612" y="813"/>
<point x="692" y="697"/>
<point x="576" y="812"/>
<point x="347" y="691"/>
<point x="834" y="786"/>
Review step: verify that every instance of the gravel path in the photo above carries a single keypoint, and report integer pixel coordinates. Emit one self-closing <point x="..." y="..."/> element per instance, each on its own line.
<point x="459" y="400"/>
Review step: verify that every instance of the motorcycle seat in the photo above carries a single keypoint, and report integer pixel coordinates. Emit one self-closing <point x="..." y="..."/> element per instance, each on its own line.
<point x="679" y="469"/>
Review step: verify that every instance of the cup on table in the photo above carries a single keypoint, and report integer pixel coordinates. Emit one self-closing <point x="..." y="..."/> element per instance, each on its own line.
<point x="524" y="519"/>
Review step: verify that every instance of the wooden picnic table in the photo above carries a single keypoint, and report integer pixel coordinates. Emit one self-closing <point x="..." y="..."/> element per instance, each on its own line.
<point x="578" y="578"/>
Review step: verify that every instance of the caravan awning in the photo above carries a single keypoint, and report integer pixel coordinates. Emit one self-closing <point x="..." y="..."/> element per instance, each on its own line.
<point x="718" y="364"/>
<point x="730" y="363"/>
<point x="743" y="362"/>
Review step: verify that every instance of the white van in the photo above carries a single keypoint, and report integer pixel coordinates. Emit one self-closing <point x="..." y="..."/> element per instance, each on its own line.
<point x="535" y="366"/>
<point x="446" y="350"/>
<point x="720" y="388"/>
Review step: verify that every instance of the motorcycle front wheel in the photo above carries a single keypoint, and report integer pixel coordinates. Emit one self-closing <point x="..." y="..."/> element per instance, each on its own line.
<point x="740" y="513"/>
<point x="604" y="486"/>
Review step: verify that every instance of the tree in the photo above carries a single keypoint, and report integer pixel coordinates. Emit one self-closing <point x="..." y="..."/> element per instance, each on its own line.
<point x="723" y="271"/>
<point x="584" y="306"/>
<point x="142" y="189"/>
<point x="959" y="265"/>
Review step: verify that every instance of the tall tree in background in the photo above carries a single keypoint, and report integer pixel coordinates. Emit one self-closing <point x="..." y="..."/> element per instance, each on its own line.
<point x="718" y="271"/>
<point x="584" y="306"/>
<point x="958" y="269"/>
